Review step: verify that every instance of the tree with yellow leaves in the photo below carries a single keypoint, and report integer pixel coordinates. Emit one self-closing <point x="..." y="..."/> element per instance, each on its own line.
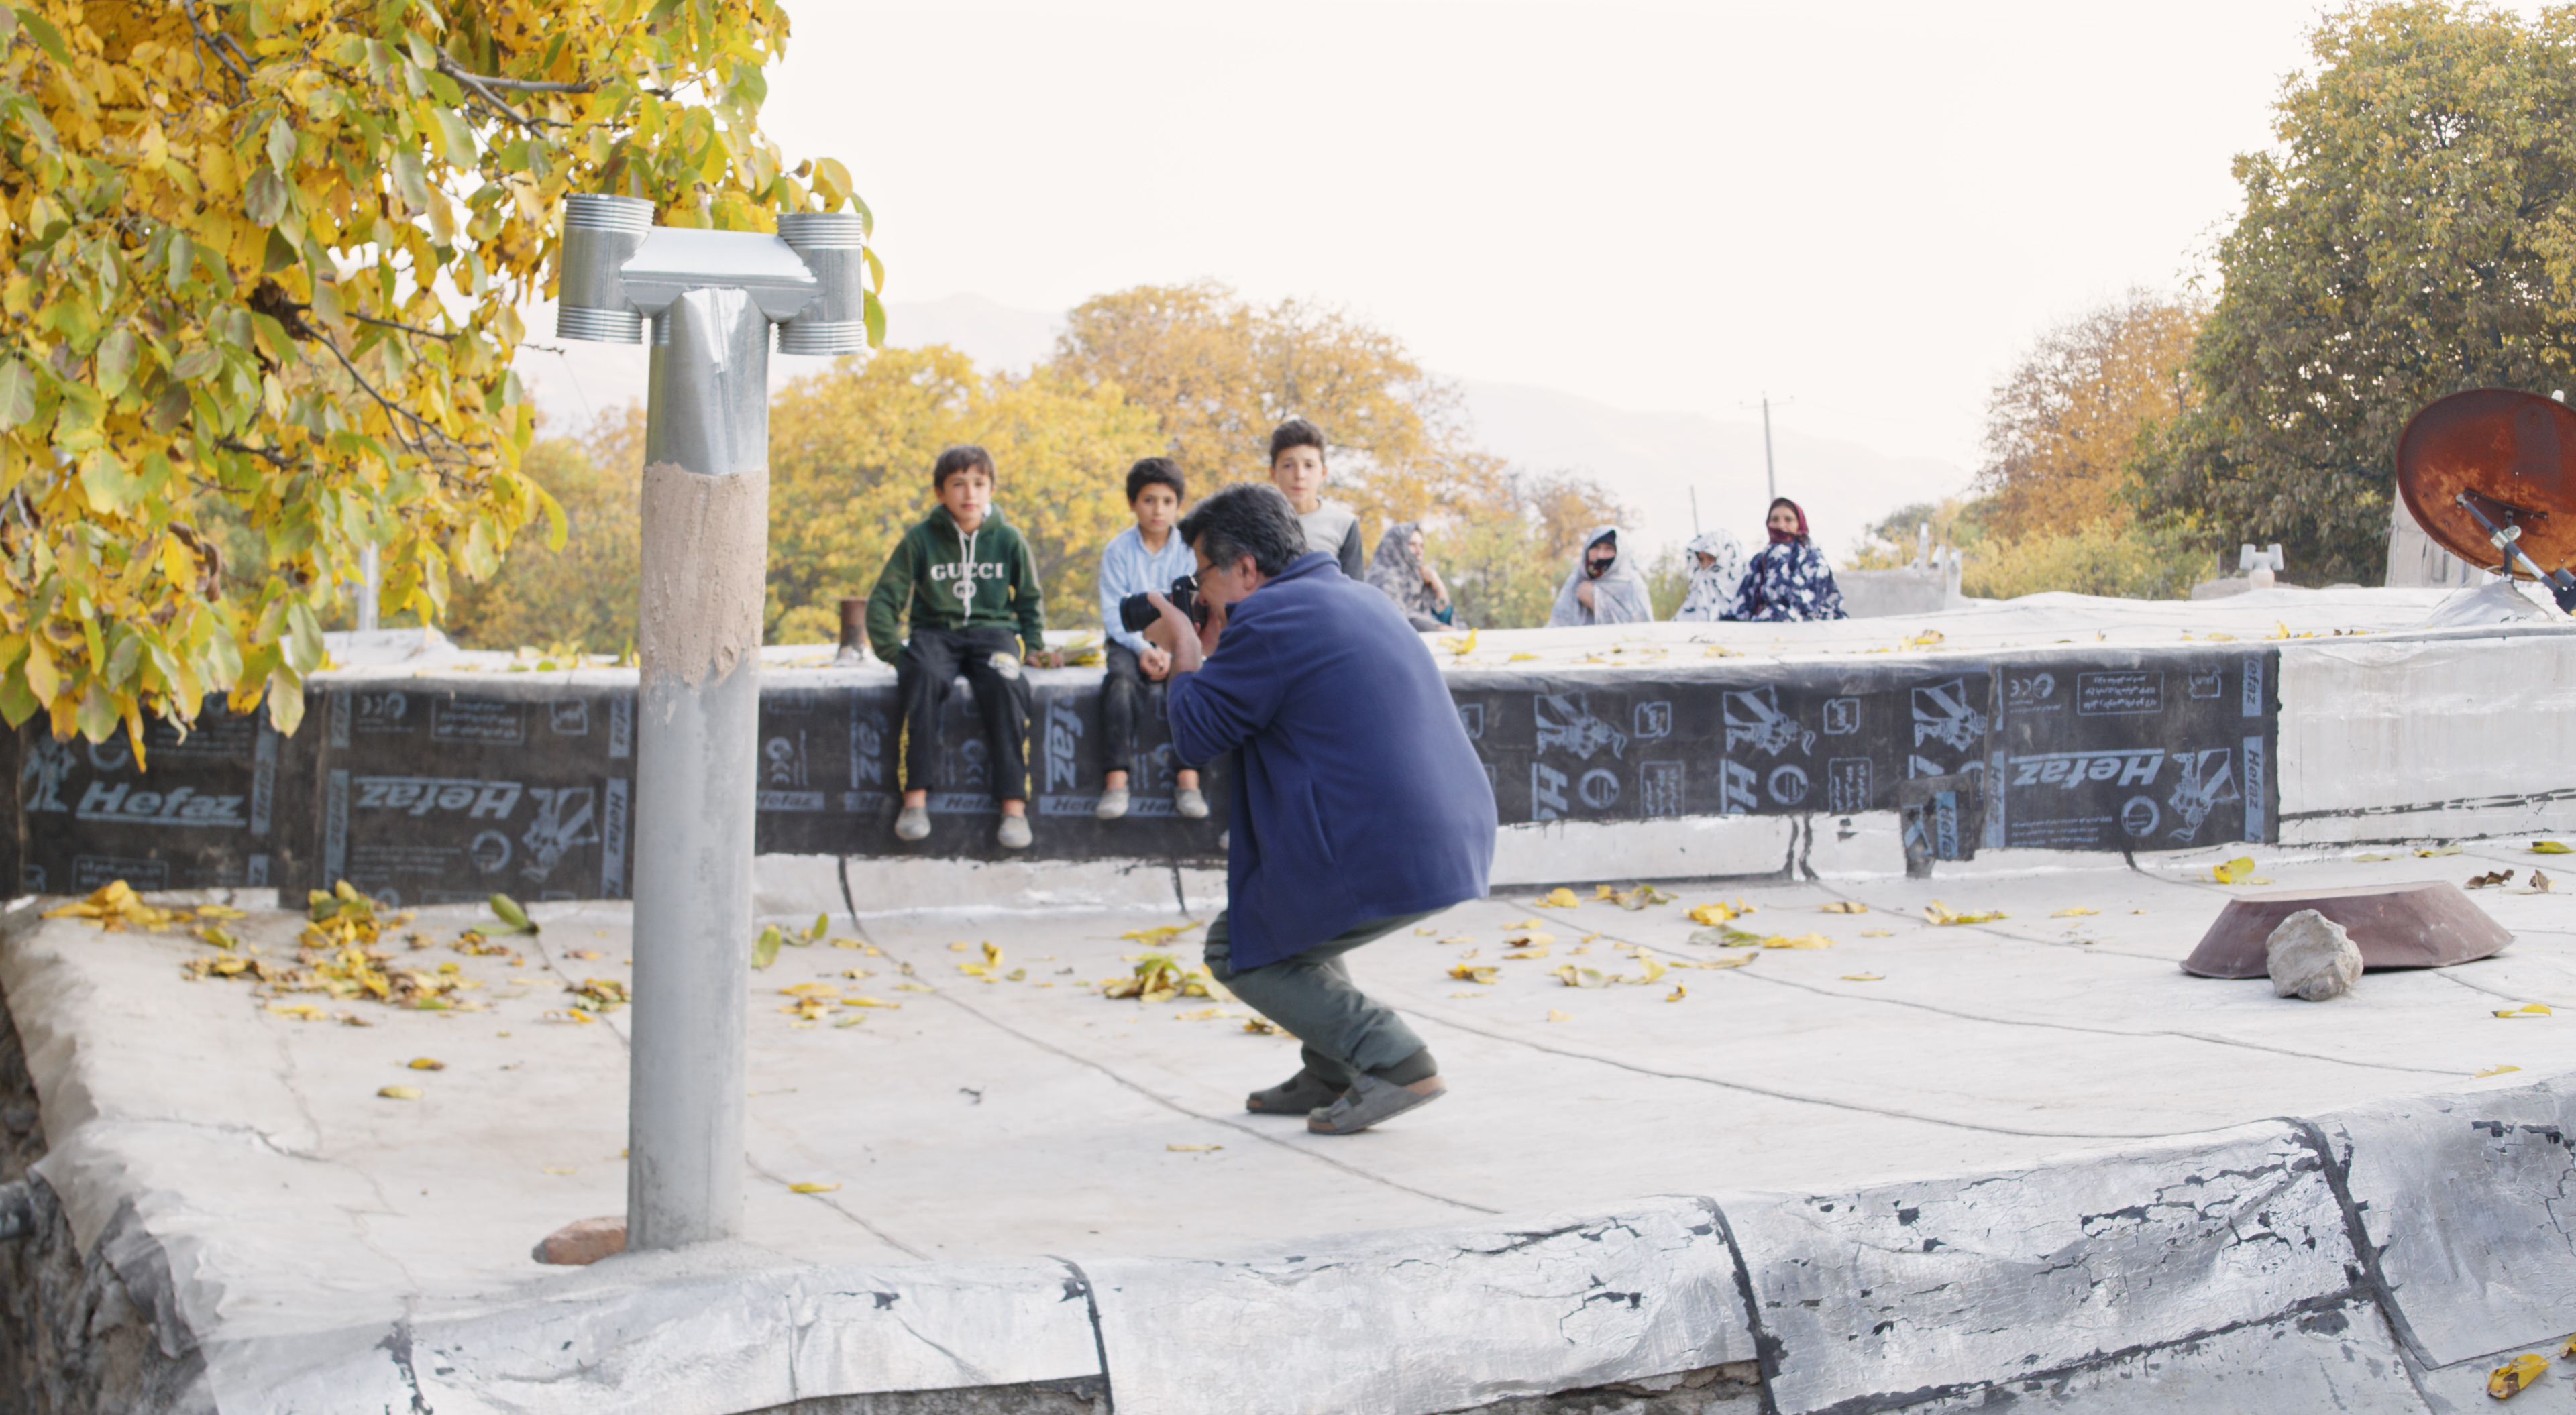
<point x="850" y="454"/>
<point x="1218" y="374"/>
<point x="262" y="260"/>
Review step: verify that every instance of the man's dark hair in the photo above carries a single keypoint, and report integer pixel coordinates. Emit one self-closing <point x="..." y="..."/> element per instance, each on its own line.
<point x="1248" y="518"/>
<point x="962" y="457"/>
<point x="1296" y="432"/>
<point x="1150" y="471"/>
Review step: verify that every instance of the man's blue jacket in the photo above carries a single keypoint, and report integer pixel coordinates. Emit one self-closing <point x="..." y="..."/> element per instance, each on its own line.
<point x="1358" y="795"/>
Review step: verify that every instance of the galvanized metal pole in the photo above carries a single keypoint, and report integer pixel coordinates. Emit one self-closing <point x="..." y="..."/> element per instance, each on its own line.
<point x="705" y="556"/>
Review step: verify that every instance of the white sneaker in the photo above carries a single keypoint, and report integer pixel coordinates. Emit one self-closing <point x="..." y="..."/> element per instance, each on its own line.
<point x="1014" y="833"/>
<point x="1188" y="804"/>
<point x="913" y="824"/>
<point x="1113" y="803"/>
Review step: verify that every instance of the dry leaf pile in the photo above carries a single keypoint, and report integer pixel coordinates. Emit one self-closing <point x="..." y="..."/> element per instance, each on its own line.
<point x="1160" y="978"/>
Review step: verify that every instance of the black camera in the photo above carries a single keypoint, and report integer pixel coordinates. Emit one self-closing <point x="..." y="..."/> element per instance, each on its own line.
<point x="1135" y="612"/>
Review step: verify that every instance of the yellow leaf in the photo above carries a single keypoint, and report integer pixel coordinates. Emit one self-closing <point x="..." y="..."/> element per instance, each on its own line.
<point x="1654" y="967"/>
<point x="2528" y="1009"/>
<point x="809" y="1187"/>
<point x="2078" y="912"/>
<point x="1801" y="941"/>
<point x="1940" y="913"/>
<point x="1710" y="914"/>
<point x="1151" y="938"/>
<point x="2233" y="870"/>
<point x="1844" y="906"/>
<point x="1864" y="978"/>
<point x="426" y="1063"/>
<point x="1261" y="1026"/>
<point x="1192" y="1149"/>
<point x="1459" y="938"/>
<point x="1677" y="994"/>
<point x="1466" y="974"/>
<point x="2498" y="1071"/>
<point x="1878" y="933"/>
<point x="2516" y="1375"/>
<point x="1427" y="933"/>
<point x="1520" y="658"/>
<point x="1558" y="899"/>
<point x="2548" y="847"/>
<point x="1532" y="922"/>
<point x="2437" y="851"/>
<point x="1555" y="1016"/>
<point x="400" y="1093"/>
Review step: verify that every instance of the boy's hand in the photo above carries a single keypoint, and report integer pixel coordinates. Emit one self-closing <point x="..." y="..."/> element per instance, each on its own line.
<point x="1044" y="658"/>
<point x="1155" y="664"/>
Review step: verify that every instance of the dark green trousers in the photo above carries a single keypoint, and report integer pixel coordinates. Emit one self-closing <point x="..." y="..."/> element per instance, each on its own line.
<point x="1311" y="996"/>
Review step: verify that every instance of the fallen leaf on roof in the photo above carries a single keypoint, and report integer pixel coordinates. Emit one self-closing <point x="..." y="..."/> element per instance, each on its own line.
<point x="562" y="1169"/>
<point x="1801" y="941"/>
<point x="1559" y="898"/>
<point x="1465" y="974"/>
<point x="2078" y="912"/>
<point x="399" y="1093"/>
<point x="426" y="1063"/>
<point x="1192" y="1149"/>
<point x="2233" y="870"/>
<point x="1536" y="951"/>
<point x="2375" y="858"/>
<point x="2540" y="882"/>
<point x="1737" y="961"/>
<point x="1654" y="967"/>
<point x="1878" y="933"/>
<point x="1426" y="933"/>
<point x="1727" y="936"/>
<point x="300" y="1011"/>
<point x="1843" y="906"/>
<point x="1204" y="1014"/>
<point x="1261" y="1026"/>
<point x="1677" y="994"/>
<point x="1710" y="914"/>
<point x="569" y="1014"/>
<point x="2498" y="1071"/>
<point x="2437" y="850"/>
<point x="1555" y="1016"/>
<point x="1942" y="914"/>
<point x="811" y="1188"/>
<point x="1635" y="899"/>
<point x="764" y="949"/>
<point x="115" y="905"/>
<point x="1520" y="658"/>
<point x="847" y="943"/>
<point x="2517" y="1374"/>
<point x="2548" y="847"/>
<point x="2528" y="1009"/>
<point x="1157" y="937"/>
<point x="1574" y="977"/>
<point x="2490" y="878"/>
<point x="1864" y="977"/>
<point x="1459" y="938"/>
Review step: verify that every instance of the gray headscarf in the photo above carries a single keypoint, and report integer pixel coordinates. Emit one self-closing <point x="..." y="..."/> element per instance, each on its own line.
<point x="1396" y="570"/>
<point x="1618" y="597"/>
<point x="1712" y="588"/>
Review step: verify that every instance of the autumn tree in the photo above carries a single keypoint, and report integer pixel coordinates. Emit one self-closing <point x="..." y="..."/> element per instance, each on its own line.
<point x="260" y="262"/>
<point x="1218" y="374"/>
<point x="851" y="449"/>
<point x="2064" y="425"/>
<point x="579" y="594"/>
<point x="2413" y="235"/>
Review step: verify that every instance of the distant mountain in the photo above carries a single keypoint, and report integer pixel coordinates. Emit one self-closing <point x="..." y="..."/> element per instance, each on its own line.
<point x="1652" y="462"/>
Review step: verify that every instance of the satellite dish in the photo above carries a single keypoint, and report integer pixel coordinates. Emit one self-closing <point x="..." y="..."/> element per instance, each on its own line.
<point x="2490" y="474"/>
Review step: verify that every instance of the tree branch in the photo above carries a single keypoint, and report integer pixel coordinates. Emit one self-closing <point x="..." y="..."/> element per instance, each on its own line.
<point x="215" y="42"/>
<point x="483" y="89"/>
<point x="395" y="324"/>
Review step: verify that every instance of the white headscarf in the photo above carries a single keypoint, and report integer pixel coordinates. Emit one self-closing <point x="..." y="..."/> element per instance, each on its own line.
<point x="1618" y="597"/>
<point x="1712" y="587"/>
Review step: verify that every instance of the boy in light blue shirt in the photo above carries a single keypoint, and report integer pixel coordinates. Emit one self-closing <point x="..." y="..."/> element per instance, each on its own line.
<point x="1145" y="556"/>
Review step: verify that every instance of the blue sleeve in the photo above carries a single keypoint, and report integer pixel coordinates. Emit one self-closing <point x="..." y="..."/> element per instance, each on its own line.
<point x="1233" y="695"/>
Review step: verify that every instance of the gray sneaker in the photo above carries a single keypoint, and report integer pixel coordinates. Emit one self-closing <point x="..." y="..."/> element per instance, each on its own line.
<point x="1113" y="803"/>
<point x="1370" y="1100"/>
<point x="1014" y="833"/>
<point x="1188" y="804"/>
<point x="913" y="824"/>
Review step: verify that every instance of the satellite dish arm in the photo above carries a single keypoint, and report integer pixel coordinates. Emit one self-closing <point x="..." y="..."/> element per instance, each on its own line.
<point x="2508" y="542"/>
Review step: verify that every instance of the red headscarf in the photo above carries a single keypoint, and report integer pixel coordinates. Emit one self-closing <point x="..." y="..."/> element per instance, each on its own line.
<point x="1778" y="536"/>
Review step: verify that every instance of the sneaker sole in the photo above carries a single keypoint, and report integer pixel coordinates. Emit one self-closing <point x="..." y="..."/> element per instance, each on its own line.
<point x="1419" y="1100"/>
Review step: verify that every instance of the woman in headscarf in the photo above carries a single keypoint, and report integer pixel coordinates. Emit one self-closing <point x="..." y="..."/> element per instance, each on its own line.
<point x="1788" y="579"/>
<point x="1399" y="569"/>
<point x="1717" y="572"/>
<point x="1604" y="587"/>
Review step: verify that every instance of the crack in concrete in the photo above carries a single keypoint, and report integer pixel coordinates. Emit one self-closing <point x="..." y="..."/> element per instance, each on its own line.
<point x="833" y="1202"/>
<point x="1099" y="1339"/>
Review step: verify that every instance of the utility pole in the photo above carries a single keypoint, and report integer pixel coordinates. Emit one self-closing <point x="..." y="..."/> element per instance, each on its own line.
<point x="1770" y="471"/>
<point x="710" y="298"/>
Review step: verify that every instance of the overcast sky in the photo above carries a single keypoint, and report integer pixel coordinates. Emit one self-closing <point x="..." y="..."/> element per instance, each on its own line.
<point x="1867" y="208"/>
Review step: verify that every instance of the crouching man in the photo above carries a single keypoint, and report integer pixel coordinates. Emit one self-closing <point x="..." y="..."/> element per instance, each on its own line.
<point x="1358" y="805"/>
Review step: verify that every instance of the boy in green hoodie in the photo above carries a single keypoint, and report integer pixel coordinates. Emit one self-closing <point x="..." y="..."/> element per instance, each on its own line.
<point x="975" y="602"/>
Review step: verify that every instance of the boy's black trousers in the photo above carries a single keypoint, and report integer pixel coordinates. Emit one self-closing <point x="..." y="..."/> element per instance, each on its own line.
<point x="1125" y="693"/>
<point x="931" y="660"/>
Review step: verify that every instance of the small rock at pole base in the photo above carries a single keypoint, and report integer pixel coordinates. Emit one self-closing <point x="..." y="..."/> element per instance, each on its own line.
<point x="2311" y="956"/>
<point x="583" y="1242"/>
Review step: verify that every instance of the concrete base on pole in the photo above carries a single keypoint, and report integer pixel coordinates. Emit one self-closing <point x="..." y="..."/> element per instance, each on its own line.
<point x="705" y="537"/>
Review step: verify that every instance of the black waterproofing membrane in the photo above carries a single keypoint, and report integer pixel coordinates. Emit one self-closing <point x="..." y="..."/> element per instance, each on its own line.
<point x="440" y="788"/>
